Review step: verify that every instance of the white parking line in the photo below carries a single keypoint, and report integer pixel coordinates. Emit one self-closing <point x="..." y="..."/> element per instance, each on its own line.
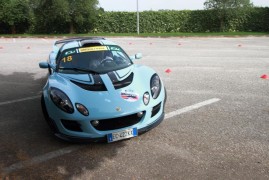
<point x="190" y="108"/>
<point x="60" y="152"/>
<point x="45" y="40"/>
<point x="40" y="159"/>
<point x="19" y="100"/>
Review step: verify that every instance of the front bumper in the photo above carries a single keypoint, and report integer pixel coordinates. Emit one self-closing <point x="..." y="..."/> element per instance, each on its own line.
<point x="104" y="138"/>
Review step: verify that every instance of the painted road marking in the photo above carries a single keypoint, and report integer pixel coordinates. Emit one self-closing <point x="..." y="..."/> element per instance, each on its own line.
<point x="190" y="108"/>
<point x="45" y="40"/>
<point x="18" y="83"/>
<point x="19" y="100"/>
<point x="40" y="159"/>
<point x="60" y="152"/>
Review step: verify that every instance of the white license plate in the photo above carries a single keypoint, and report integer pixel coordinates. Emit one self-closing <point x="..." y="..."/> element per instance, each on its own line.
<point x="125" y="134"/>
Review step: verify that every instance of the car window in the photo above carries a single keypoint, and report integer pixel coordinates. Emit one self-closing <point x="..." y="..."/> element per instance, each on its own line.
<point x="99" y="59"/>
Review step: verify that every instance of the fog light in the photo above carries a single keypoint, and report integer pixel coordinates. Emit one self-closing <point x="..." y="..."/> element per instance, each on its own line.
<point x="140" y="114"/>
<point x="95" y="123"/>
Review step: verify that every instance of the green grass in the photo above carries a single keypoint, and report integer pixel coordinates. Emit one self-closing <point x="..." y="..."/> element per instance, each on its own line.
<point x="211" y="34"/>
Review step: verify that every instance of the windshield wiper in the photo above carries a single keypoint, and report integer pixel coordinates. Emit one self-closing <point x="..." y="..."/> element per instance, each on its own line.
<point x="81" y="70"/>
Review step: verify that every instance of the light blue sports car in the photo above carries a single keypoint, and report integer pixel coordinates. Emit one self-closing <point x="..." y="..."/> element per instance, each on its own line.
<point x="95" y="92"/>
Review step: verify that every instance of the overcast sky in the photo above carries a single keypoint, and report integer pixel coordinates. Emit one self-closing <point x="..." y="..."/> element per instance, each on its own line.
<point x="130" y="5"/>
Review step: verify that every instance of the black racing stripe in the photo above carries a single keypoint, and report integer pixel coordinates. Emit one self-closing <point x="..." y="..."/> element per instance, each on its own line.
<point x="123" y="75"/>
<point x="120" y="84"/>
<point x="113" y="77"/>
<point x="97" y="79"/>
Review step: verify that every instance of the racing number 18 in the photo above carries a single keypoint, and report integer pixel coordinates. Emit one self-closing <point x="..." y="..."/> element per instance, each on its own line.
<point x="67" y="59"/>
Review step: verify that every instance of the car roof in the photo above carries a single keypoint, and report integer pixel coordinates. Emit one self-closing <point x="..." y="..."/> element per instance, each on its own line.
<point x="64" y="44"/>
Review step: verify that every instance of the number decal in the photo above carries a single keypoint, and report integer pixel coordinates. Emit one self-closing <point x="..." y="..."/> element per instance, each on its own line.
<point x="67" y="59"/>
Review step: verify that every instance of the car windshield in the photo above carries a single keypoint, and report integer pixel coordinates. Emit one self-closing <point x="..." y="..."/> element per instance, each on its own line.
<point x="96" y="59"/>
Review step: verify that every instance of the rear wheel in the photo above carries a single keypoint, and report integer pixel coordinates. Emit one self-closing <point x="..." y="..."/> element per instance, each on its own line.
<point x="50" y="122"/>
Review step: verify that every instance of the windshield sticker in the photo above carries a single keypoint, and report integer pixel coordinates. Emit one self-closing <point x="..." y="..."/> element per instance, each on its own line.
<point x="129" y="95"/>
<point x="70" y="52"/>
<point x="114" y="49"/>
<point x="67" y="59"/>
<point x="94" y="48"/>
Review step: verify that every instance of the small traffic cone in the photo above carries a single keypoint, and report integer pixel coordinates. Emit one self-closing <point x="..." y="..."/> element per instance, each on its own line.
<point x="264" y="76"/>
<point x="168" y="70"/>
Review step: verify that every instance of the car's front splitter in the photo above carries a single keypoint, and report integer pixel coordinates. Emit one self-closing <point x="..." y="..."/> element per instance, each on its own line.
<point x="104" y="138"/>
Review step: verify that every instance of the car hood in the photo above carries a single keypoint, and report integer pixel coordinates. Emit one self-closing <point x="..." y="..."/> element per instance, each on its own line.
<point x="89" y="78"/>
<point x="113" y="94"/>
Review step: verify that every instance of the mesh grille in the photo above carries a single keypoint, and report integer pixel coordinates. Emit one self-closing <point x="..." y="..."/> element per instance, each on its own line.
<point x="155" y="109"/>
<point x="117" y="123"/>
<point x="71" y="125"/>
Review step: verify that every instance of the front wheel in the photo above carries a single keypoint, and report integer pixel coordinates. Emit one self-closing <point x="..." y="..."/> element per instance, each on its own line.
<point x="50" y="122"/>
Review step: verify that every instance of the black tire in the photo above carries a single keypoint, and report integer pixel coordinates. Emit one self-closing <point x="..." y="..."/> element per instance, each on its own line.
<point x="49" y="121"/>
<point x="165" y="98"/>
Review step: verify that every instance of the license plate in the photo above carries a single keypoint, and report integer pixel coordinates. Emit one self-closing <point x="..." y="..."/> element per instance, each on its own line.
<point x="125" y="134"/>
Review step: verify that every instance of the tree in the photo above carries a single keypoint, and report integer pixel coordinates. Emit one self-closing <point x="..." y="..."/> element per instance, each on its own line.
<point x="15" y="14"/>
<point x="226" y="8"/>
<point x="51" y="16"/>
<point x="62" y="16"/>
<point x="225" y="4"/>
<point x="82" y="14"/>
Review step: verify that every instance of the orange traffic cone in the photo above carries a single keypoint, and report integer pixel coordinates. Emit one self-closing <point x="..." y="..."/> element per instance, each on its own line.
<point x="168" y="70"/>
<point x="264" y="76"/>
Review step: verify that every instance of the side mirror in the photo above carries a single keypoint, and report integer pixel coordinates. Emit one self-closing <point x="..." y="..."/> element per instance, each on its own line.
<point x="44" y="65"/>
<point x="138" y="56"/>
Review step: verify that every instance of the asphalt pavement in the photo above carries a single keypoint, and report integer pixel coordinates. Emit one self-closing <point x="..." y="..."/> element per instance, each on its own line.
<point x="216" y="125"/>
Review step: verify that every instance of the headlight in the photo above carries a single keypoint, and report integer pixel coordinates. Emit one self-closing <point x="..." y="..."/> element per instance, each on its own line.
<point x="155" y="86"/>
<point x="61" y="100"/>
<point x="82" y="109"/>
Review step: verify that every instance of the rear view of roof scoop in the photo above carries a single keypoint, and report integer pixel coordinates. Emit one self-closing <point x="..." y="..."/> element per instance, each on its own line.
<point x="89" y="43"/>
<point x="64" y="41"/>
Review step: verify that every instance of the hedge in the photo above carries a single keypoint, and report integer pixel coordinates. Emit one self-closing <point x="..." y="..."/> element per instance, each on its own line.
<point x="243" y="20"/>
<point x="254" y="19"/>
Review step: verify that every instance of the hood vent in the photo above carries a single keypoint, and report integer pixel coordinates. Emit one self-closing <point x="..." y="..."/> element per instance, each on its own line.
<point x="120" y="84"/>
<point x="97" y="86"/>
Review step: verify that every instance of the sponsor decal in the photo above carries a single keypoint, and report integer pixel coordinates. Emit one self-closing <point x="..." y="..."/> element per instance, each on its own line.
<point x="114" y="48"/>
<point x="94" y="48"/>
<point x="129" y="95"/>
<point x="70" y="52"/>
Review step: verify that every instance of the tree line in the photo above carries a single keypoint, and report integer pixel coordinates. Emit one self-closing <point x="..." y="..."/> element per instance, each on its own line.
<point x="84" y="16"/>
<point x="48" y="16"/>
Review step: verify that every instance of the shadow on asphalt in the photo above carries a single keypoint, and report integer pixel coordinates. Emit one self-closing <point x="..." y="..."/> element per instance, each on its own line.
<point x="24" y="134"/>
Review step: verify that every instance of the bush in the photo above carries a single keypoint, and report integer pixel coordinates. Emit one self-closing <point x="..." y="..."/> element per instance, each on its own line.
<point x="253" y="19"/>
<point x="51" y="19"/>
